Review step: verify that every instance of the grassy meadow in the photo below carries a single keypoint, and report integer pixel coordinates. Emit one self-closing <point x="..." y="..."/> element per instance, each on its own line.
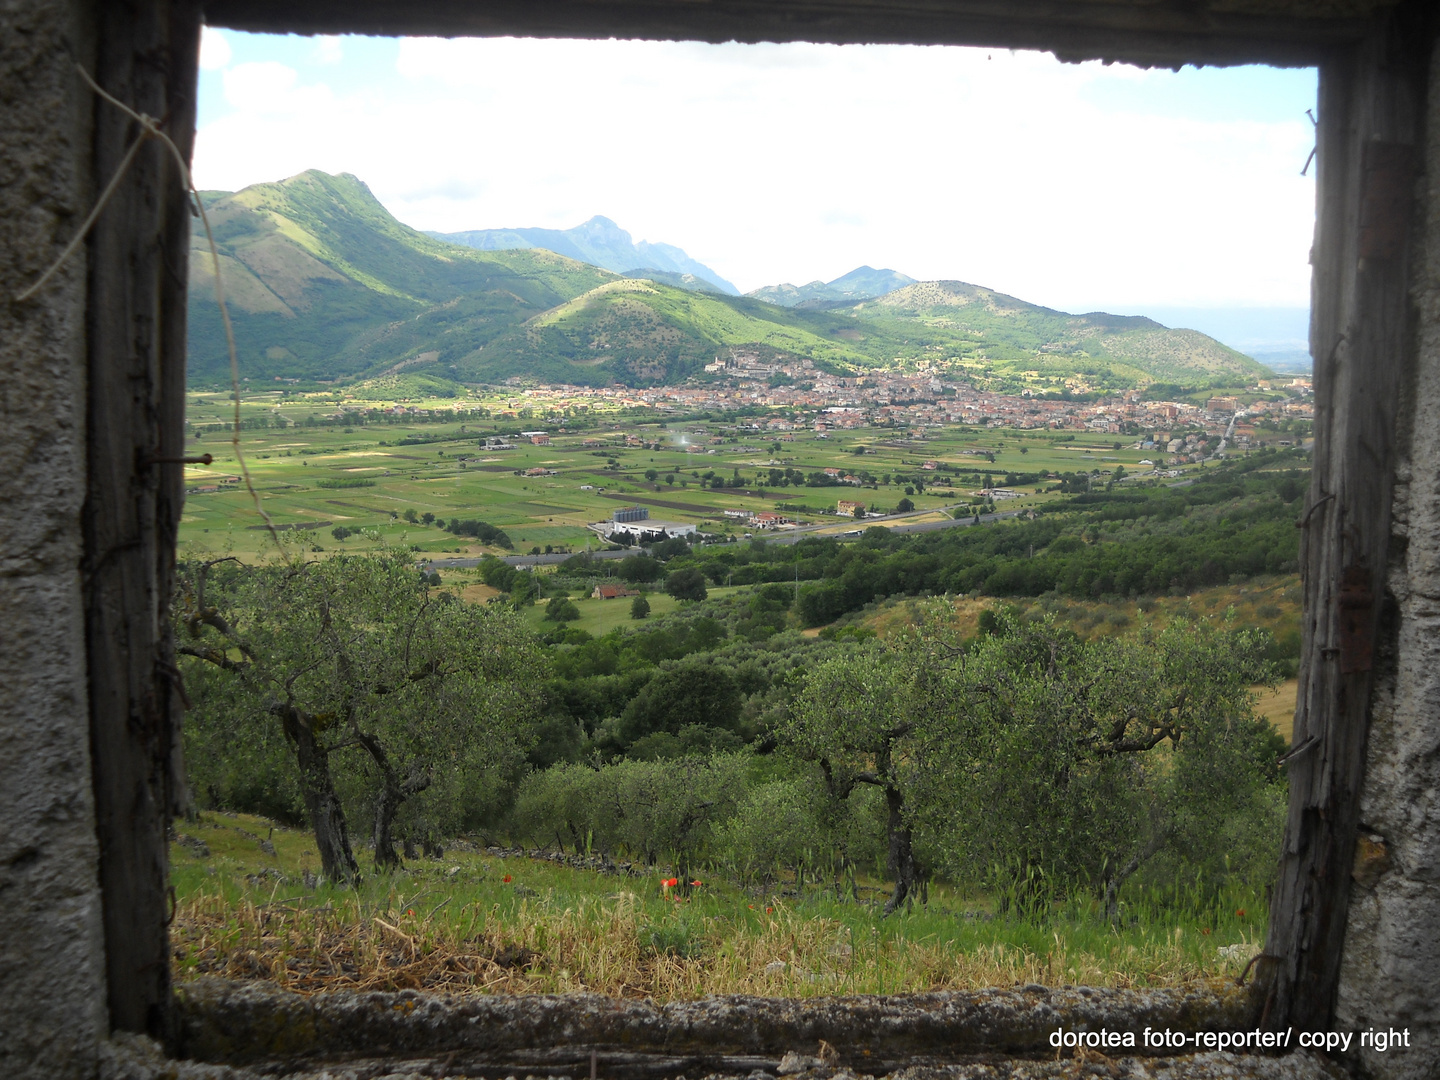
<point x="472" y="921"/>
<point x="599" y="617"/>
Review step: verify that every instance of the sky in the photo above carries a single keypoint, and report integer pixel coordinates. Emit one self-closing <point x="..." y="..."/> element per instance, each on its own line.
<point x="1077" y="186"/>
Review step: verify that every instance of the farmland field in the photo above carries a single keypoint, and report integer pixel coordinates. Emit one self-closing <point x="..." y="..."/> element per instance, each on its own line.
<point x="313" y="475"/>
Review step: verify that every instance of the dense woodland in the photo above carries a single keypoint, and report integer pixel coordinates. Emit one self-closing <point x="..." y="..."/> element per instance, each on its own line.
<point x="384" y="712"/>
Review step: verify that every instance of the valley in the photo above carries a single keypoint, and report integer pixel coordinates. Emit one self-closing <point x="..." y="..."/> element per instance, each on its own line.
<point x="689" y="551"/>
<point x="377" y="362"/>
<point x="713" y="456"/>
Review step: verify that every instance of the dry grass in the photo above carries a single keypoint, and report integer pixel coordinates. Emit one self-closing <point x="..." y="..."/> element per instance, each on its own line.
<point x="480" y="924"/>
<point x="1278" y="706"/>
<point x="475" y="592"/>
<point x="611" y="948"/>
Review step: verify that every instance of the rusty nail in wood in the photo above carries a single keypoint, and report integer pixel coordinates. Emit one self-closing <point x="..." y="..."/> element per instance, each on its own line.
<point x="1303" y="748"/>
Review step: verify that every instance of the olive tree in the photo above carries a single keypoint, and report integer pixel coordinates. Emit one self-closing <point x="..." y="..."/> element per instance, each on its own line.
<point x="1033" y="760"/>
<point x="652" y="809"/>
<point x="876" y="715"/>
<point x="1083" y="761"/>
<point x="360" y="667"/>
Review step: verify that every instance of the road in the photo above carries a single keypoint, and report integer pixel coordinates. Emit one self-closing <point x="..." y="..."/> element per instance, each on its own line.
<point x="788" y="536"/>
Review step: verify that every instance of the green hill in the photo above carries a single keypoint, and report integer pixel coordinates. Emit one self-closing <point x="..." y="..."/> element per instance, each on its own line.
<point x="323" y="283"/>
<point x="859" y="284"/>
<point x="643" y="332"/>
<point x="1013" y="341"/>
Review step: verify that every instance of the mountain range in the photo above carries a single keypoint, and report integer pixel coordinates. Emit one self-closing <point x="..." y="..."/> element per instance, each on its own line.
<point x="323" y="283"/>
<point x="862" y="283"/>
<point x="599" y="242"/>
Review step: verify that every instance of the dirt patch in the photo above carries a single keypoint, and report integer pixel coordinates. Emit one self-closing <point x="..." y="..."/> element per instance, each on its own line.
<point x="474" y="593"/>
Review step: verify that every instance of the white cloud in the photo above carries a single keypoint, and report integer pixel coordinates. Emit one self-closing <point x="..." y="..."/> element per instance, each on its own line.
<point x="259" y="87"/>
<point x="795" y="162"/>
<point x="328" y="50"/>
<point x="272" y="91"/>
<point x="214" y="50"/>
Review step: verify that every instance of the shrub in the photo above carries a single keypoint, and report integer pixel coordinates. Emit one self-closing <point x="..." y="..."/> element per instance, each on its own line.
<point x="482" y="531"/>
<point x="561" y="609"/>
<point x="639" y="568"/>
<point x="686" y="584"/>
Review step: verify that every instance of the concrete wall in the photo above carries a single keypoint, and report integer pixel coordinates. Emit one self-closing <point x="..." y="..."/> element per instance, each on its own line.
<point x="1391" y="968"/>
<point x="52" y="998"/>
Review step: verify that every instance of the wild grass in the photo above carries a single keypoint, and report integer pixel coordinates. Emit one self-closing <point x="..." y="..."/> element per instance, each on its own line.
<point x="477" y="923"/>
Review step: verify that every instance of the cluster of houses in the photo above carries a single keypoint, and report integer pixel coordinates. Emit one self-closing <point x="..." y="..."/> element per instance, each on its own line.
<point x="821" y="402"/>
<point x="762" y="519"/>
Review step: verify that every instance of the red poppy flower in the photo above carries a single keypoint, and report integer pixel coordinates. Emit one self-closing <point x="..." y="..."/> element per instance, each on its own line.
<point x="696" y="884"/>
<point x="506" y="879"/>
<point x="768" y="910"/>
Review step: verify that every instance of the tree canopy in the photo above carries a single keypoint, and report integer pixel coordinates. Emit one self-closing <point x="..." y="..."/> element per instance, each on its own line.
<point x="378" y="687"/>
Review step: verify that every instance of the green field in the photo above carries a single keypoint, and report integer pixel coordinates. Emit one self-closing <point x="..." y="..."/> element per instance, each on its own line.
<point x="316" y="476"/>
<point x="599" y="617"/>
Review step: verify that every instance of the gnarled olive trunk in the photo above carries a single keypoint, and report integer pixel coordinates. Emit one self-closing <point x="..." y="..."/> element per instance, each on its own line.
<point x="1117" y="878"/>
<point x="900" y="859"/>
<point x="900" y="856"/>
<point x="327" y="816"/>
<point x="385" y="806"/>
<point x="393" y="793"/>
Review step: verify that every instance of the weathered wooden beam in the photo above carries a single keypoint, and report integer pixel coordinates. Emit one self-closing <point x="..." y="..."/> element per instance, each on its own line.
<point x="1157" y="32"/>
<point x="1392" y="937"/>
<point x="147" y="51"/>
<point x="1361" y="335"/>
